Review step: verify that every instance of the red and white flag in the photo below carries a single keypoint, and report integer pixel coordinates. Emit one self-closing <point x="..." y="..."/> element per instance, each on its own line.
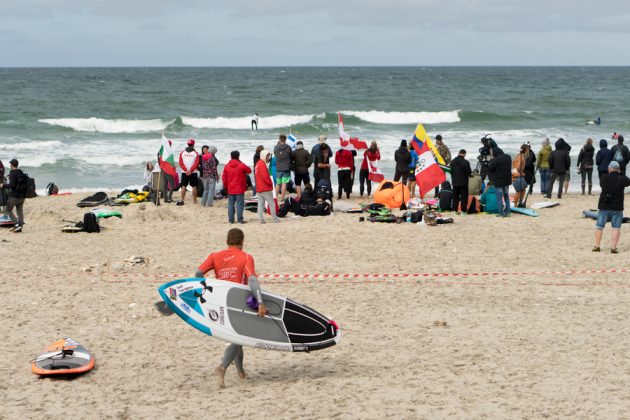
<point x="347" y="142"/>
<point x="375" y="173"/>
<point x="428" y="173"/>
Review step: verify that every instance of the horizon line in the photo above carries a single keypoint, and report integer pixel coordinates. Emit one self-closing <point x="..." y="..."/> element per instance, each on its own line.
<point x="319" y="66"/>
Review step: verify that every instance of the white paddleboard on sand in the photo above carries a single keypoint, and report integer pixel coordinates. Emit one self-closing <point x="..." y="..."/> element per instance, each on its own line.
<point x="220" y="309"/>
<point x="544" y="204"/>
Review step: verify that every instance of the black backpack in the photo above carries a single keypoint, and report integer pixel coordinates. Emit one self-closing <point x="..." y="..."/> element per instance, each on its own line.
<point x="51" y="189"/>
<point x="90" y="223"/>
<point x="30" y="187"/>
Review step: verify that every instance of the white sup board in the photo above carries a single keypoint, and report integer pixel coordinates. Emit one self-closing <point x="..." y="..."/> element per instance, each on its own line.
<point x="544" y="204"/>
<point x="220" y="309"/>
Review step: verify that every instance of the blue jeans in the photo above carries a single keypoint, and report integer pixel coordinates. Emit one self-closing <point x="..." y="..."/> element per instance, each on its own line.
<point x="545" y="173"/>
<point x="209" y="189"/>
<point x="503" y="193"/>
<point x="236" y="201"/>
<point x="613" y="216"/>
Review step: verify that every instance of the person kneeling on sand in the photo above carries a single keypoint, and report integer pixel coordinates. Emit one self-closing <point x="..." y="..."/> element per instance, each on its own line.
<point x="232" y="264"/>
<point x="610" y="207"/>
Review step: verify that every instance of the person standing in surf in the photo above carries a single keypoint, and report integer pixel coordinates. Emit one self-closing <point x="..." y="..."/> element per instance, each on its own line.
<point x="232" y="264"/>
<point x="255" y="122"/>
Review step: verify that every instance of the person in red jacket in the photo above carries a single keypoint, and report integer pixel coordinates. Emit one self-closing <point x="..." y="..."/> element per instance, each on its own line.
<point x="189" y="161"/>
<point x="235" y="182"/>
<point x="372" y="154"/>
<point x="264" y="187"/>
<point x="345" y="168"/>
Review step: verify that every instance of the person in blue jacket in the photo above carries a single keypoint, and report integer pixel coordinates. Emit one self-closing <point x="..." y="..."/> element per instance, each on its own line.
<point x="489" y="200"/>
<point x="602" y="158"/>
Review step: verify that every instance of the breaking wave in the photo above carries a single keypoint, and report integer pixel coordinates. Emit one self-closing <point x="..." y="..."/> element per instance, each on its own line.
<point x="383" y="117"/>
<point x="244" y="123"/>
<point x="100" y="125"/>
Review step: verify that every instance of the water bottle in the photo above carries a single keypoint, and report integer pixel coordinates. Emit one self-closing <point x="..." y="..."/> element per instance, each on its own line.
<point x="408" y="217"/>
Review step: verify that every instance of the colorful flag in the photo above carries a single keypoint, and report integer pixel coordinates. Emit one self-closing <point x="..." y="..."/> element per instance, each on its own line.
<point x="292" y="141"/>
<point x="374" y="172"/>
<point x="166" y="159"/>
<point x="347" y="142"/>
<point x="428" y="173"/>
<point x="420" y="136"/>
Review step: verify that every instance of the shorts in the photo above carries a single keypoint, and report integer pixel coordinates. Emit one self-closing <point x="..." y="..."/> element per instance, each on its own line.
<point x="412" y="175"/>
<point x="191" y="179"/>
<point x="615" y="217"/>
<point x="567" y="176"/>
<point x="283" y="177"/>
<point x="302" y="178"/>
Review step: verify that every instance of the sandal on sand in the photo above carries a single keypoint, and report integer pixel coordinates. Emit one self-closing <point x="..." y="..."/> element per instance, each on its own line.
<point x="596" y="249"/>
<point x="614" y="251"/>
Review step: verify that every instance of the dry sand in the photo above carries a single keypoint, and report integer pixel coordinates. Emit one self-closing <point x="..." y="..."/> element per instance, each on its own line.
<point x="514" y="346"/>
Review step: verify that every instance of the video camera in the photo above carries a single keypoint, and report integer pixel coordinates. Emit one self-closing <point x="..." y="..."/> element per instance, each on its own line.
<point x="486" y="150"/>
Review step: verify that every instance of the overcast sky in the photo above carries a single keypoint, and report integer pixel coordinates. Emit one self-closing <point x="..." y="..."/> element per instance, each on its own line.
<point x="311" y="33"/>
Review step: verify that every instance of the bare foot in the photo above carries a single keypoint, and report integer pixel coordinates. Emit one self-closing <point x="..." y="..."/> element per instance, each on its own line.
<point x="242" y="375"/>
<point x="220" y="373"/>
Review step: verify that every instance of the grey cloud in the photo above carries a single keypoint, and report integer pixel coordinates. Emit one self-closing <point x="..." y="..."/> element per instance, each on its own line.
<point x="482" y="15"/>
<point x="47" y="8"/>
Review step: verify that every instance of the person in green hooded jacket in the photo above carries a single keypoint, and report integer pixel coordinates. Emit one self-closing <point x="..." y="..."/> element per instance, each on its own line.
<point x="543" y="166"/>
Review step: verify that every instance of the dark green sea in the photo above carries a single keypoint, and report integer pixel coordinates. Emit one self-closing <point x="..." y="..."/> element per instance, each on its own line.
<point x="86" y="128"/>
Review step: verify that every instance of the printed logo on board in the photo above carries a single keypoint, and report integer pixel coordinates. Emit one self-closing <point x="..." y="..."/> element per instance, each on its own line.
<point x="272" y="347"/>
<point x="213" y="314"/>
<point x="185" y="307"/>
<point x="172" y="293"/>
<point x="221" y="315"/>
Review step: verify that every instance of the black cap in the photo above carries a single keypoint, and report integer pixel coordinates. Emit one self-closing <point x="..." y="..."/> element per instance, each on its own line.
<point x="462" y="151"/>
<point x="438" y="137"/>
<point x="14" y="162"/>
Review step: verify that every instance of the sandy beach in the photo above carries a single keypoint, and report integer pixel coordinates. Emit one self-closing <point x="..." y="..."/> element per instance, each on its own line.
<point x="543" y="334"/>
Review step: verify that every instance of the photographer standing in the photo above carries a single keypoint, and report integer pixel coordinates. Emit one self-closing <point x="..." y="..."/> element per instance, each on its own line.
<point x="610" y="206"/>
<point x="485" y="155"/>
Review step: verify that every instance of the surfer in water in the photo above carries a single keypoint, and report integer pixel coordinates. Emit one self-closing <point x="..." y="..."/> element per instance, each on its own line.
<point x="255" y="122"/>
<point x="232" y="264"/>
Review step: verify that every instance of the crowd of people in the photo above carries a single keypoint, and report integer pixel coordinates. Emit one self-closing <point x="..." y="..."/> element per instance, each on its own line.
<point x="282" y="177"/>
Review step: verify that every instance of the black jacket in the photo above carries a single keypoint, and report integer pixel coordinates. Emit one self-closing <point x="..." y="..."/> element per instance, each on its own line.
<point x="585" y="158"/>
<point x="14" y="174"/>
<point x="500" y="168"/>
<point x="611" y="197"/>
<point x="559" y="160"/>
<point x="461" y="171"/>
<point x="402" y="158"/>
<point x="301" y="161"/>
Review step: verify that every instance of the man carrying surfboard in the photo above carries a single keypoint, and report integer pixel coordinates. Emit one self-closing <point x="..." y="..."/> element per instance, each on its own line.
<point x="232" y="264"/>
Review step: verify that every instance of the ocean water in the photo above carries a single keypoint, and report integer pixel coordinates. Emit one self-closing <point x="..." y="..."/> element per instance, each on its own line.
<point x="87" y="128"/>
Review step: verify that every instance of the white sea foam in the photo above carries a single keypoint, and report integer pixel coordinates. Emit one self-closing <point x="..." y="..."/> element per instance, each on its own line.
<point x="31" y="145"/>
<point x="244" y="123"/>
<point x="382" y="117"/>
<point x="99" y="125"/>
